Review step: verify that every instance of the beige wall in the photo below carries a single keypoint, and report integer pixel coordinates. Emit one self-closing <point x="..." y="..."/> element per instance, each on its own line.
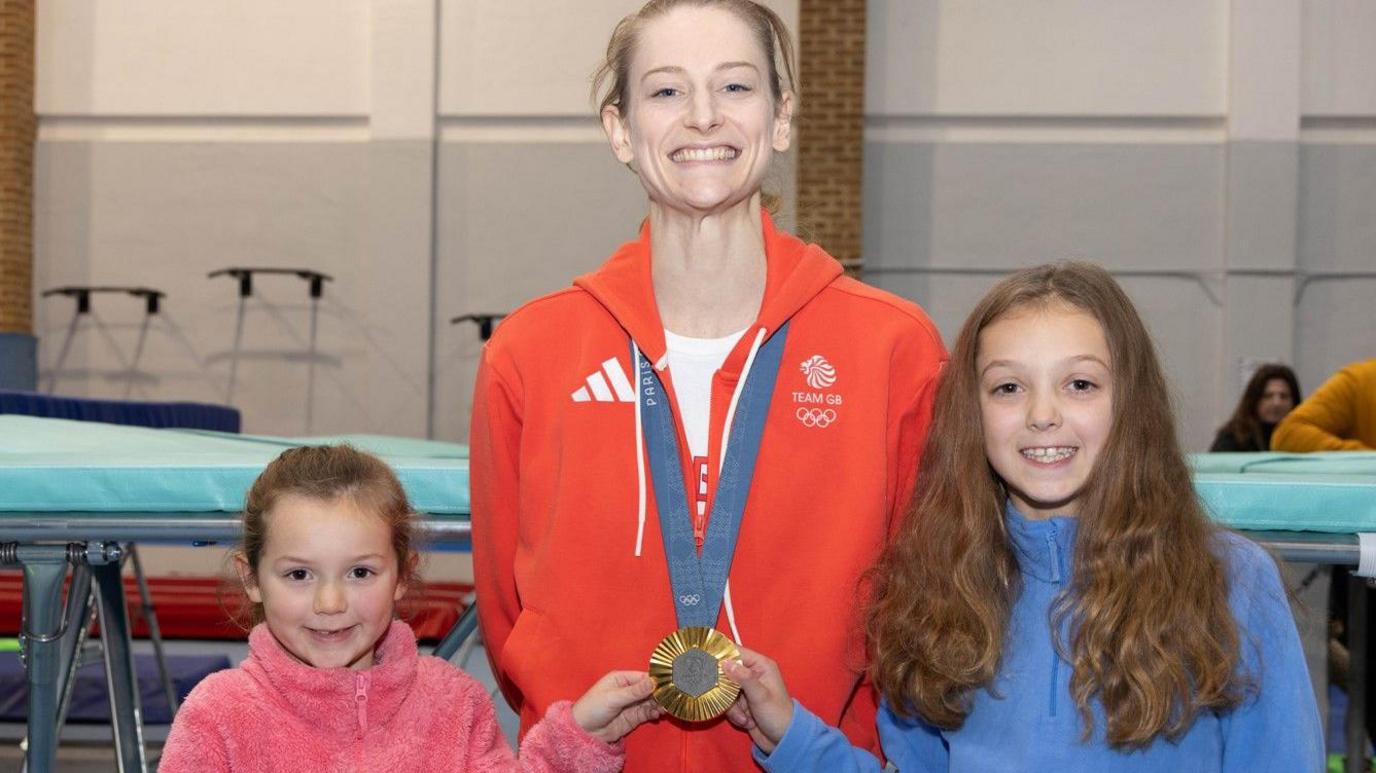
<point x="440" y="157"/>
<point x="436" y="158"/>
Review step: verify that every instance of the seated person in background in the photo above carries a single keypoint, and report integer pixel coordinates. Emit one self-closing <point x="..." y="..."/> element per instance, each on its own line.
<point x="1340" y="416"/>
<point x="1272" y="392"/>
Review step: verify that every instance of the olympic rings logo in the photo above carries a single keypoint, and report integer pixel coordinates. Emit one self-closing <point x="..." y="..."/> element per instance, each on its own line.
<point x="816" y="417"/>
<point x="690" y="600"/>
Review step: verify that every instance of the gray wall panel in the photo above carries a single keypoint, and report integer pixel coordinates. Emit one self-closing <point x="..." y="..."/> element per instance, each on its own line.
<point x="166" y="213"/>
<point x="1338" y="208"/>
<point x="1003" y="205"/>
<point x="1337" y="325"/>
<point x="1335" y="319"/>
<point x="517" y="221"/>
<point x="1262" y="204"/>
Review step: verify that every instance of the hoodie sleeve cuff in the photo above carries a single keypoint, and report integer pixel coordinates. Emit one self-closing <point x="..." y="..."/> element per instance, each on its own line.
<point x="791" y="753"/>
<point x="567" y="746"/>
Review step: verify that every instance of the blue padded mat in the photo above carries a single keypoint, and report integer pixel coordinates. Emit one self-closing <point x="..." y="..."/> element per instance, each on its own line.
<point x="221" y="418"/>
<point x="90" y="700"/>
<point x="1273" y="502"/>
<point x="1319" y="463"/>
<point x="55" y="465"/>
<point x="1331" y="492"/>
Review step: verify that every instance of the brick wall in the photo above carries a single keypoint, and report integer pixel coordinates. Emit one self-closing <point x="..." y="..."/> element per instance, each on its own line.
<point x="17" y="126"/>
<point x="831" y="36"/>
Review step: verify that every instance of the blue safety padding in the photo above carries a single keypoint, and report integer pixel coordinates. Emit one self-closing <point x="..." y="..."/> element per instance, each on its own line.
<point x="220" y="418"/>
<point x="91" y="702"/>
<point x="1331" y="491"/>
<point x="1318" y="463"/>
<point x="58" y="466"/>
<point x="1290" y="502"/>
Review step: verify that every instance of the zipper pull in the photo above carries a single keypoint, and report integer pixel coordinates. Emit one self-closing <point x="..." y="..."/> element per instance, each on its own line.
<point x="699" y="500"/>
<point x="361" y="701"/>
<point x="1054" y="548"/>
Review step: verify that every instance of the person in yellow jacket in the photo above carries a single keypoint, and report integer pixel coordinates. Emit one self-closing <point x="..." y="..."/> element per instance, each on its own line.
<point x="1339" y="416"/>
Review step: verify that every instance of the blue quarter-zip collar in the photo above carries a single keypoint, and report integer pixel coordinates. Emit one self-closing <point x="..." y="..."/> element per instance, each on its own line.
<point x="1043" y="547"/>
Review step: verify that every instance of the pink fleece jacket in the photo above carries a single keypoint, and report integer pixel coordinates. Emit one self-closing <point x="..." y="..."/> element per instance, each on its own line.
<point x="406" y="713"/>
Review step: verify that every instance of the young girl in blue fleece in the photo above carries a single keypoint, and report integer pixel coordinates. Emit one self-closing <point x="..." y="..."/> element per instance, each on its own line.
<point x="1057" y="599"/>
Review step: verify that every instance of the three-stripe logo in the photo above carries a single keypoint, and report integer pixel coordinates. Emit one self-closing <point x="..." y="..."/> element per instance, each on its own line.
<point x="607" y="384"/>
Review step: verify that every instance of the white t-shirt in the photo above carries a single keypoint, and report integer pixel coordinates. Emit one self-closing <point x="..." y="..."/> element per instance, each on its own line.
<point x="692" y="362"/>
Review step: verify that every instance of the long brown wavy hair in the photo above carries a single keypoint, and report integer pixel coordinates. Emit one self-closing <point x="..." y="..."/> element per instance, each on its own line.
<point x="1149" y="631"/>
<point x="1244" y="425"/>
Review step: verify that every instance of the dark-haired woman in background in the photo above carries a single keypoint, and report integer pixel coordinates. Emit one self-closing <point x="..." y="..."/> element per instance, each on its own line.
<point x="1272" y="392"/>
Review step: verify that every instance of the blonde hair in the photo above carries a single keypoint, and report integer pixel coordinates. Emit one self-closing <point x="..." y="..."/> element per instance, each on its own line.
<point x="1150" y="632"/>
<point x="612" y="77"/>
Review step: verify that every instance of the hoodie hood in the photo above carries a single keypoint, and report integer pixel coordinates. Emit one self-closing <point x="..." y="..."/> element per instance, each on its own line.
<point x="795" y="273"/>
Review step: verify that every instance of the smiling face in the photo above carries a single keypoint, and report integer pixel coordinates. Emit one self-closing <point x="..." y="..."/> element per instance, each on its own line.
<point x="328" y="580"/>
<point x="699" y="125"/>
<point x="1276" y="401"/>
<point x="1046" y="403"/>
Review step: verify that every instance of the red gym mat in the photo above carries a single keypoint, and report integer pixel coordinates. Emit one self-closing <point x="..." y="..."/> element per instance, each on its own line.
<point x="201" y="607"/>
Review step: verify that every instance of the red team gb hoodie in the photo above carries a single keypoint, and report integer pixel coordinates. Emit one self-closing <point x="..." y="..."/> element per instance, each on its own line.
<point x="570" y="569"/>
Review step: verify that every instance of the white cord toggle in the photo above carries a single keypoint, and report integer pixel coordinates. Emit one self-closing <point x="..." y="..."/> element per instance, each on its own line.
<point x="731" y="613"/>
<point x="1366" y="545"/>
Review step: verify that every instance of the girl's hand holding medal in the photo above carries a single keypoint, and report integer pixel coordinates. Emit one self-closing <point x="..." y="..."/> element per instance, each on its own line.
<point x="764" y="709"/>
<point x="617" y="704"/>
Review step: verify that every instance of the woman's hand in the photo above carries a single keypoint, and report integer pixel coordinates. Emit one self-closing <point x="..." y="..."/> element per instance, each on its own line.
<point x="617" y="704"/>
<point x="766" y="709"/>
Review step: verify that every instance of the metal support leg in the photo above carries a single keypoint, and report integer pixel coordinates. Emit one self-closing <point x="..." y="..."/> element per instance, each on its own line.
<point x="125" y="714"/>
<point x="462" y="630"/>
<point x="41" y="628"/>
<point x="154" y="631"/>
<point x="78" y="626"/>
<point x="1356" y="674"/>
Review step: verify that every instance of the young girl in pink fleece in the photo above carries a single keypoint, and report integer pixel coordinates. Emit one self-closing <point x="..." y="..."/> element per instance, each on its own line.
<point x="332" y="681"/>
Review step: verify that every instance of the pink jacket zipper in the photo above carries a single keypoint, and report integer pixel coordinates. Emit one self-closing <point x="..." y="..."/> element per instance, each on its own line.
<point x="361" y="701"/>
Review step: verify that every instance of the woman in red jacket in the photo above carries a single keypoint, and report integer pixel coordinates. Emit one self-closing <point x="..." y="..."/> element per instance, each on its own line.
<point x="717" y="399"/>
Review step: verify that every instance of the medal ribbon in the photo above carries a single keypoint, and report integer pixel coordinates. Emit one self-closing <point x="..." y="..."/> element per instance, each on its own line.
<point x="699" y="580"/>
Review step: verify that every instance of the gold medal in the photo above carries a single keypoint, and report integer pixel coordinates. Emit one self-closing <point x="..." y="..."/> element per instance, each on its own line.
<point x="686" y="667"/>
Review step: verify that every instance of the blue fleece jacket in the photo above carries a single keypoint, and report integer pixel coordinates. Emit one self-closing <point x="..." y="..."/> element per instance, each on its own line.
<point x="1034" y="724"/>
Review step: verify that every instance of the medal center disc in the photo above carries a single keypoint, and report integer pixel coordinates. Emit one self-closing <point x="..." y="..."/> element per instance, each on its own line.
<point x="695" y="672"/>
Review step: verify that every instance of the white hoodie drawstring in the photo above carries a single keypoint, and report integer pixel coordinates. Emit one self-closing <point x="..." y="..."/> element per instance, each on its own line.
<point x="736" y="397"/>
<point x="639" y="459"/>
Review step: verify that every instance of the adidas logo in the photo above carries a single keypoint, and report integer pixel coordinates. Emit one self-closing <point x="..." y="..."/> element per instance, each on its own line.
<point x="607" y="384"/>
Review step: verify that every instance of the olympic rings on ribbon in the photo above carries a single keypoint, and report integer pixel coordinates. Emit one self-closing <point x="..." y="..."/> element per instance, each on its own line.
<point x="691" y="600"/>
<point x="816" y="417"/>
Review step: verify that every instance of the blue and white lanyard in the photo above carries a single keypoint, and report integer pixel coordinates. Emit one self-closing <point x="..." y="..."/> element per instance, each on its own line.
<point x="698" y="580"/>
